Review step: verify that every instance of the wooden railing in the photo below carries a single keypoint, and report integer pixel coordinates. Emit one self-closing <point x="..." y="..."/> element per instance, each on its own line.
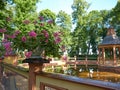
<point x="83" y="62"/>
<point x="52" y="81"/>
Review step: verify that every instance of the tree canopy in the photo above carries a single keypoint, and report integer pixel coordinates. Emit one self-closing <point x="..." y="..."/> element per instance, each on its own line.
<point x="90" y="27"/>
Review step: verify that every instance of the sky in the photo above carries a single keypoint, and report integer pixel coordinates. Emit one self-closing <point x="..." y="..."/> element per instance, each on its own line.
<point x="65" y="5"/>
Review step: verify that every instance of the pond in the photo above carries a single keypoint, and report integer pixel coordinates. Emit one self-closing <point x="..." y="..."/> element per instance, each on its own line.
<point x="90" y="72"/>
<point x="104" y="76"/>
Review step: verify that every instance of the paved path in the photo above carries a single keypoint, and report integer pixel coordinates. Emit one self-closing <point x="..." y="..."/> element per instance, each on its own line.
<point x="1" y="88"/>
<point x="1" y="70"/>
<point x="14" y="83"/>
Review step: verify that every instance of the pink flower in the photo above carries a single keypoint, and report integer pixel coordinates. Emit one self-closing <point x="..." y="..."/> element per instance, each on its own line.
<point x="56" y="34"/>
<point x="64" y="58"/>
<point x="46" y="40"/>
<point x="4" y="40"/>
<point x="8" y="50"/>
<point x="17" y="32"/>
<point x="8" y="53"/>
<point x="41" y="18"/>
<point x="50" y="21"/>
<point x="23" y="39"/>
<point x="11" y="36"/>
<point x="3" y="30"/>
<point x="35" y="22"/>
<point x="45" y="33"/>
<point x="26" y="21"/>
<point x="28" y="54"/>
<point x="6" y="36"/>
<point x="8" y="19"/>
<point x="41" y="24"/>
<point x="32" y="34"/>
<point x="57" y="40"/>
<point x="7" y="45"/>
<point x="63" y="48"/>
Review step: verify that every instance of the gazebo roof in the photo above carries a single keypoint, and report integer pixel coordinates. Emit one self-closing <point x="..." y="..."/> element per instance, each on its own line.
<point x="111" y="39"/>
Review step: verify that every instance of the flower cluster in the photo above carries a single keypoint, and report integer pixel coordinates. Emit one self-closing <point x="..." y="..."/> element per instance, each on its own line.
<point x="5" y="47"/>
<point x="42" y="36"/>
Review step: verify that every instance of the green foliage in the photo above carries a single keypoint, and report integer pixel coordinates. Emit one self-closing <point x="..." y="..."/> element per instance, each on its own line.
<point x="25" y="6"/>
<point x="58" y="69"/>
<point x="116" y="13"/>
<point x="80" y="32"/>
<point x="2" y="49"/>
<point x="47" y="14"/>
<point x="23" y="17"/>
<point x="89" y="27"/>
<point x="93" y="25"/>
<point x="24" y="10"/>
<point x="79" y="9"/>
<point x="115" y="17"/>
<point x="65" y="25"/>
<point x="43" y="39"/>
<point x="105" y="16"/>
<point x="2" y="4"/>
<point x="64" y="20"/>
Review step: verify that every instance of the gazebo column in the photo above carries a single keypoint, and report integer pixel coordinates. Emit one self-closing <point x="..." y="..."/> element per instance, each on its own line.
<point x="119" y="52"/>
<point x="118" y="62"/>
<point x="103" y="55"/>
<point x="99" y="56"/>
<point x="111" y="53"/>
<point x="114" y="56"/>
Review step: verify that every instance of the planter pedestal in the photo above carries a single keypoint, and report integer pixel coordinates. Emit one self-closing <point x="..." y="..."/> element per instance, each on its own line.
<point x="11" y="59"/>
<point x="35" y="65"/>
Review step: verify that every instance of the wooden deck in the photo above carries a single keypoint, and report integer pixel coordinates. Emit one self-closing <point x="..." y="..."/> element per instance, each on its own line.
<point x="72" y="62"/>
<point x="83" y="62"/>
<point x="109" y="69"/>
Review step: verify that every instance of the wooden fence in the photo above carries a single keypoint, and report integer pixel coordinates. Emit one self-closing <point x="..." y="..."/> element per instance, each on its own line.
<point x="52" y="81"/>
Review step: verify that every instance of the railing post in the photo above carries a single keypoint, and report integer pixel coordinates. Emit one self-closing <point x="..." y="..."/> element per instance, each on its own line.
<point x="35" y="65"/>
<point x="86" y="64"/>
<point x="32" y="76"/>
<point x="75" y="66"/>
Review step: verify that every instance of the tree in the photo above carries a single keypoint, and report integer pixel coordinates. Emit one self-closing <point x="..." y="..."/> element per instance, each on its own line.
<point x="5" y="13"/>
<point x="79" y="9"/>
<point x="115" y="17"/>
<point x="93" y="25"/>
<point x="64" y="20"/>
<point x="79" y="19"/>
<point x="16" y="14"/>
<point x="2" y="4"/>
<point x="24" y="10"/>
<point x="116" y="13"/>
<point x="106" y="17"/>
<point x="65" y="24"/>
<point x="48" y="15"/>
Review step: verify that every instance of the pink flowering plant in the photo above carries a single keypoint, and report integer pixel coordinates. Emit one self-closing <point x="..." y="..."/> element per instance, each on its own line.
<point x="35" y="36"/>
<point x="5" y="48"/>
